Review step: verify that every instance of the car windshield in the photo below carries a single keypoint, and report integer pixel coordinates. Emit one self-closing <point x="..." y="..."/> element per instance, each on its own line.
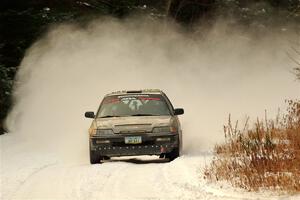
<point x="133" y="105"/>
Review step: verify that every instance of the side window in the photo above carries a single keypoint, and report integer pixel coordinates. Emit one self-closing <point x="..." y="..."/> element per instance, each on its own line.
<point x="168" y="102"/>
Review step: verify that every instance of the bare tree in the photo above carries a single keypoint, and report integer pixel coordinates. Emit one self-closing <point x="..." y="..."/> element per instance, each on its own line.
<point x="297" y="71"/>
<point x="189" y="11"/>
<point x="297" y="61"/>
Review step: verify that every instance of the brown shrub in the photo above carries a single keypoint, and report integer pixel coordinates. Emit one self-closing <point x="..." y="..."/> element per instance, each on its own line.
<point x="265" y="156"/>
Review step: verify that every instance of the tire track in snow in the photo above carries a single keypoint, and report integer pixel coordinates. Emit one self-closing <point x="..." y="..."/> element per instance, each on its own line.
<point x="38" y="170"/>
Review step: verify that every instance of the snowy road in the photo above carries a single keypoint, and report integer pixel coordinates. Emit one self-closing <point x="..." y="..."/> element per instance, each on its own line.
<point x="35" y="175"/>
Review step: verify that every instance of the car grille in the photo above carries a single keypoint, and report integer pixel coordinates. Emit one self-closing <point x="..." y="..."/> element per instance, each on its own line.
<point x="133" y="128"/>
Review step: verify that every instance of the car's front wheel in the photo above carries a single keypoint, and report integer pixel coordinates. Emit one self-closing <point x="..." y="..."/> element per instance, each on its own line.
<point x="94" y="157"/>
<point x="173" y="154"/>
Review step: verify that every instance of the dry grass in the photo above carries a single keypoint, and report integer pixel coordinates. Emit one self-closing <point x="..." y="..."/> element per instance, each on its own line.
<point x="265" y="156"/>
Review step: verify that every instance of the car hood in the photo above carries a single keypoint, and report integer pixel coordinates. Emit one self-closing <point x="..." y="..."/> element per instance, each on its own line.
<point x="137" y="124"/>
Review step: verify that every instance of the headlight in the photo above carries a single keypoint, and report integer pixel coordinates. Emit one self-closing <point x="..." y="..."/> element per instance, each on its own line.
<point x="92" y="131"/>
<point x="164" y="129"/>
<point x="99" y="132"/>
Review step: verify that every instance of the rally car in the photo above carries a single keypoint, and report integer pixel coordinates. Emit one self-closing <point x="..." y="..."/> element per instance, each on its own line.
<point x="130" y="123"/>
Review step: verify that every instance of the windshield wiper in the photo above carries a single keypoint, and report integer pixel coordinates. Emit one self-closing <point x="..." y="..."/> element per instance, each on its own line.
<point x="107" y="116"/>
<point x="143" y="115"/>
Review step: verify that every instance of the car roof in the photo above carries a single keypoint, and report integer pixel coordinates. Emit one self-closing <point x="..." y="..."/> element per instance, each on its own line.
<point x="143" y="91"/>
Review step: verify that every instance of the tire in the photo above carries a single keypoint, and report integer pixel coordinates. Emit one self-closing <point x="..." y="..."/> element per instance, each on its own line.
<point x="94" y="157"/>
<point x="173" y="154"/>
<point x="105" y="158"/>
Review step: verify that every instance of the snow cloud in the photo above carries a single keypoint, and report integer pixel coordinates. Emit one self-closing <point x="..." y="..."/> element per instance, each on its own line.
<point x="209" y="73"/>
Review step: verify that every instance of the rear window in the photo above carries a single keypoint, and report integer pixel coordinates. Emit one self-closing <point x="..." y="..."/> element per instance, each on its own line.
<point x="133" y="105"/>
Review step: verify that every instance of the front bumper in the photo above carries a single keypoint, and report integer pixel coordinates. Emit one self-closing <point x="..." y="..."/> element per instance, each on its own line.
<point x="115" y="145"/>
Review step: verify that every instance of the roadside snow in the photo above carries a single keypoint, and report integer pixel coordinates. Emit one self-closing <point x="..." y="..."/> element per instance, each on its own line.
<point x="30" y="174"/>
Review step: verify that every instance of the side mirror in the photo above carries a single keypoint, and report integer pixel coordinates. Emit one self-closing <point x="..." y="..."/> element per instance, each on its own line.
<point x="89" y="115"/>
<point x="178" y="111"/>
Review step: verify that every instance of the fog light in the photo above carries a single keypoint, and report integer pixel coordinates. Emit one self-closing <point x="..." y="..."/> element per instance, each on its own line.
<point x="164" y="139"/>
<point x="102" y="141"/>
